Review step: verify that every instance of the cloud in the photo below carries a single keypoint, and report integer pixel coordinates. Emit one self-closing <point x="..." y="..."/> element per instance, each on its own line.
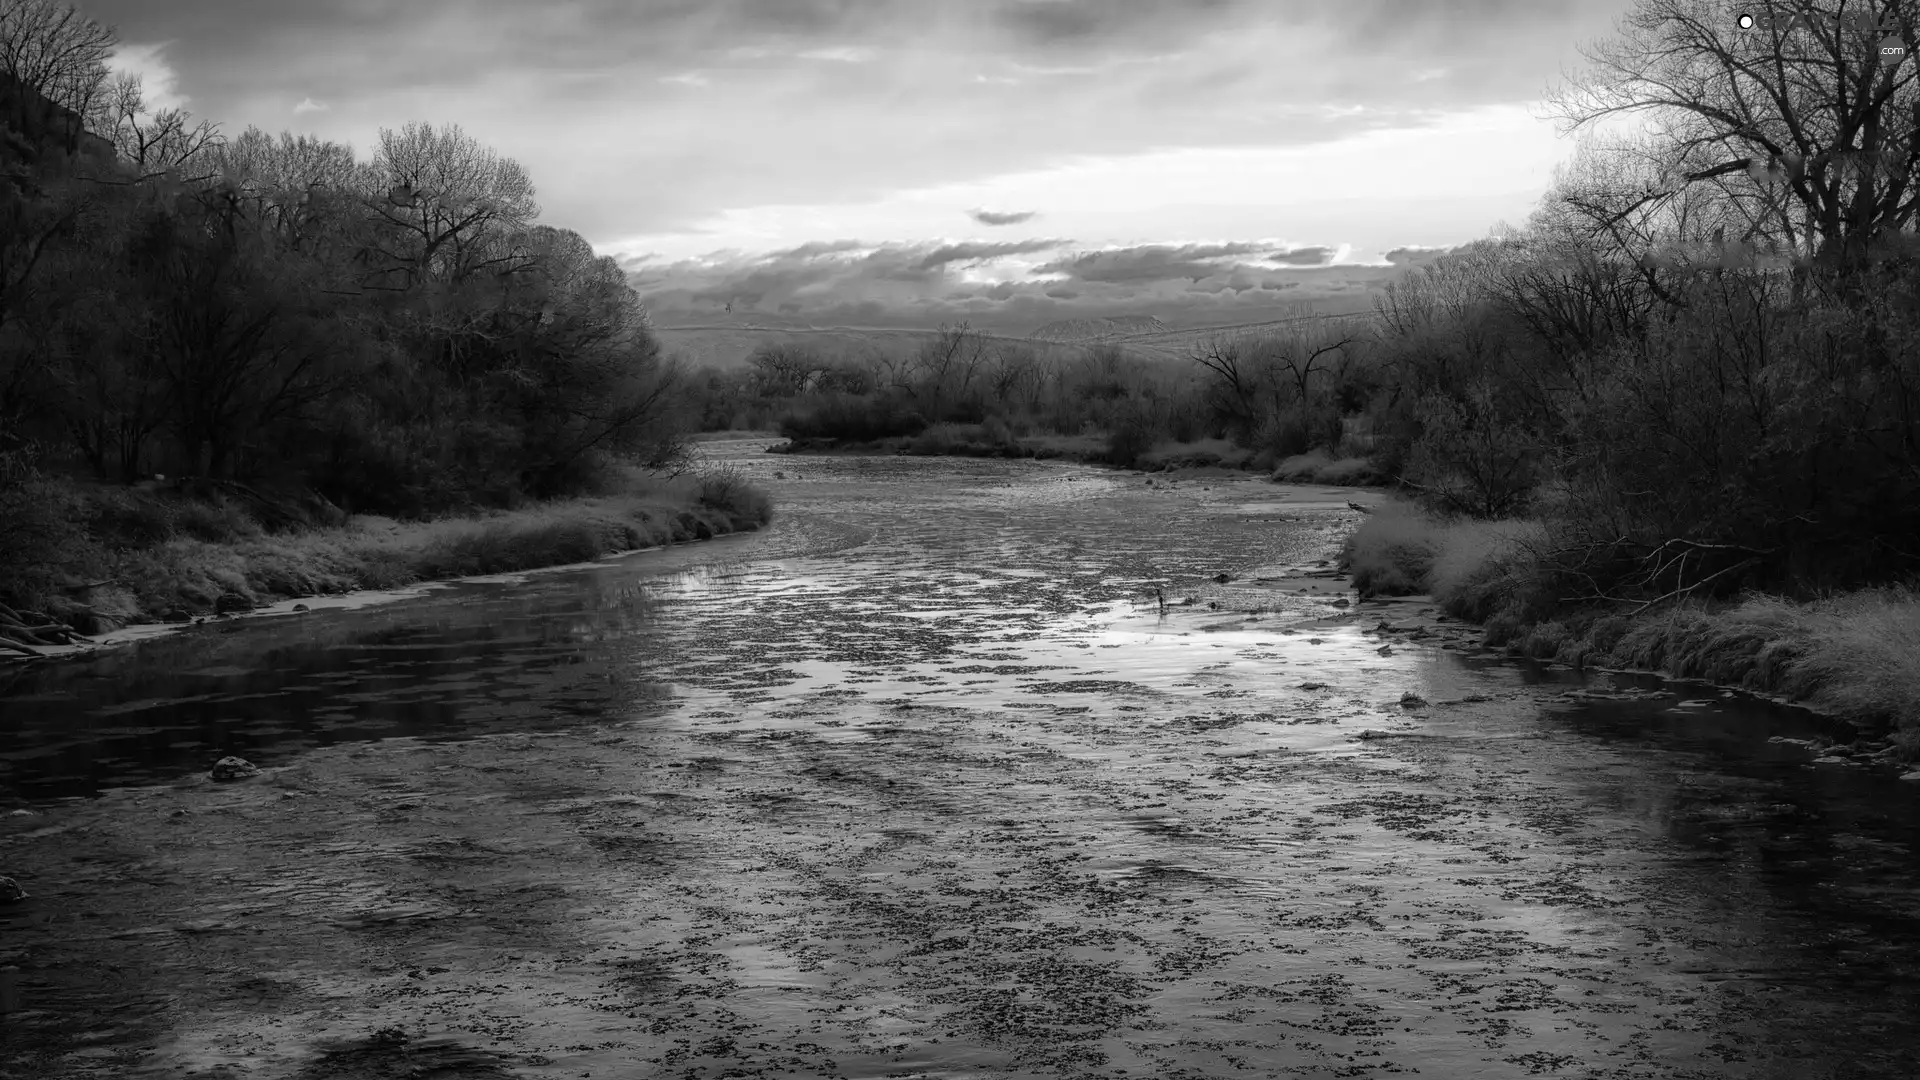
<point x="825" y="118"/>
<point x="1154" y="262"/>
<point x="1418" y="256"/>
<point x="994" y="285"/>
<point x="843" y="54"/>
<point x="1306" y="256"/>
<point x="989" y="217"/>
<point x="975" y="251"/>
<point x="159" y="81"/>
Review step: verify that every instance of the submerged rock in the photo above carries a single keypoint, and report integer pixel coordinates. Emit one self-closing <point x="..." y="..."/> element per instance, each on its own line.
<point x="1385" y="650"/>
<point x="11" y="892"/>
<point x="233" y="768"/>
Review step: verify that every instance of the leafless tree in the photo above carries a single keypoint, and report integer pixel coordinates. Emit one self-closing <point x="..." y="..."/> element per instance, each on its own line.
<point x="944" y="367"/>
<point x="52" y="50"/>
<point x="158" y="141"/>
<point x="1805" y="104"/>
<point x="436" y="193"/>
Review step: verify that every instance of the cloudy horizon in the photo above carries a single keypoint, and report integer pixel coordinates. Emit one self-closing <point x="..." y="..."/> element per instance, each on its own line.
<point x="893" y="162"/>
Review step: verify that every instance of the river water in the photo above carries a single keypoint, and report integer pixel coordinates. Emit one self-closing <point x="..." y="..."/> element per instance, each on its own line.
<point x="922" y="782"/>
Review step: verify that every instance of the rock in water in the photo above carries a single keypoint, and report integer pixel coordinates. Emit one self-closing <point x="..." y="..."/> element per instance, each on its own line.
<point x="10" y="891"/>
<point x="1385" y="650"/>
<point x="1411" y="700"/>
<point x="233" y="768"/>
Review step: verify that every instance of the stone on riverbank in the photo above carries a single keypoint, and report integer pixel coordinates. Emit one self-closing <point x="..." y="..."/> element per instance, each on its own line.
<point x="233" y="768"/>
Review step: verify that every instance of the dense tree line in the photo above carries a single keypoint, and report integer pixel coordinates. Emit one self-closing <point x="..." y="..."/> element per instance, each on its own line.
<point x="396" y="333"/>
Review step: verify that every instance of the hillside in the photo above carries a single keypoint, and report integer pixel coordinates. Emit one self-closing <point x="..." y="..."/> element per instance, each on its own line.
<point x="726" y="342"/>
<point x="1083" y="330"/>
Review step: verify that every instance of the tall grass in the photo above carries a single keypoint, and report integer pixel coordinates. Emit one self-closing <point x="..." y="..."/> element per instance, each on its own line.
<point x="167" y="559"/>
<point x="1852" y="655"/>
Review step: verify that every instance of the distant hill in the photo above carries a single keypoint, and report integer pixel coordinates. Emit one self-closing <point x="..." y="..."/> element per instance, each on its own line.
<point x="726" y="341"/>
<point x="1106" y="329"/>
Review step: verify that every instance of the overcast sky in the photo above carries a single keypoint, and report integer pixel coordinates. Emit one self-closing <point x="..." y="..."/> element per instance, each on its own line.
<point x="910" y="161"/>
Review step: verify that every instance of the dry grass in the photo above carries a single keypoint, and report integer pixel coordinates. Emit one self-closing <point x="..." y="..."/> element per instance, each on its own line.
<point x="1320" y="467"/>
<point x="1393" y="550"/>
<point x="187" y="574"/>
<point x="1855" y="656"/>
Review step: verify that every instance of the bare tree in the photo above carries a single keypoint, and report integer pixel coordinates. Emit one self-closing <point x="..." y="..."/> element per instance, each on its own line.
<point x="1301" y="349"/>
<point x="1804" y="103"/>
<point x="944" y="367"/>
<point x="155" y="142"/>
<point x="53" y="51"/>
<point x="436" y="193"/>
<point x="299" y="185"/>
<point x="1236" y="380"/>
<point x="784" y="368"/>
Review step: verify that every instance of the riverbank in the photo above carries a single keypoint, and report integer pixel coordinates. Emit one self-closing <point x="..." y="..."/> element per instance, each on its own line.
<point x="1853" y="657"/>
<point x="987" y="441"/>
<point x="183" y="578"/>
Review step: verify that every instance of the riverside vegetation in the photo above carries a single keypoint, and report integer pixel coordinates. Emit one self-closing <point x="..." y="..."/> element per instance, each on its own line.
<point x="355" y="373"/>
<point x="1672" y="422"/>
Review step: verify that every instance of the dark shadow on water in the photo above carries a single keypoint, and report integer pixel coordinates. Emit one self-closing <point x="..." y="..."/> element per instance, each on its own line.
<point x="468" y="660"/>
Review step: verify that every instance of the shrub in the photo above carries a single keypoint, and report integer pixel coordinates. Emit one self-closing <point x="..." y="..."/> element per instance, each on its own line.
<point x="729" y="492"/>
<point x="851" y="418"/>
<point x="1301" y="468"/>
<point x="1485" y="566"/>
<point x="1345" y="472"/>
<point x="1392" y="552"/>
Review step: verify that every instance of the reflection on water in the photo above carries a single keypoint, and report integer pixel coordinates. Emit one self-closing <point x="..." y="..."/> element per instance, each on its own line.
<point x="921" y="782"/>
<point x="465" y="660"/>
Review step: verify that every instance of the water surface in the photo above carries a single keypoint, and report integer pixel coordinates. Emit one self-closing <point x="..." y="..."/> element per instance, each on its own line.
<point x="920" y="782"/>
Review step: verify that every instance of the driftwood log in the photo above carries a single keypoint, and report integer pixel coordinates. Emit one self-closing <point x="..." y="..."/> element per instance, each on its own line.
<point x="29" y="631"/>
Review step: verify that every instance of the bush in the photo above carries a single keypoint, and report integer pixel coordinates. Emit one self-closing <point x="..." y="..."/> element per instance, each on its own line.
<point x="1345" y="472"/>
<point x="1133" y="434"/>
<point x="851" y="418"/>
<point x="1392" y="551"/>
<point x="729" y="492"/>
<point x="1301" y="468"/>
<point x="1485" y="566"/>
<point x="42" y="533"/>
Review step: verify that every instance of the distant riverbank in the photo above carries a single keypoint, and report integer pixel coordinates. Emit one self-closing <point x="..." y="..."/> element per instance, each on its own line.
<point x="989" y="441"/>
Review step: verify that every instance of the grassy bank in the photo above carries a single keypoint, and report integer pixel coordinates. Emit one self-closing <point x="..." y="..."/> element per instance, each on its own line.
<point x="1854" y="656"/>
<point x="992" y="440"/>
<point x="149" y="556"/>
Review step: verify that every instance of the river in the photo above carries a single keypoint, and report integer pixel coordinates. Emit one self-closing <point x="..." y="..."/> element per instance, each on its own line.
<point x="920" y="782"/>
